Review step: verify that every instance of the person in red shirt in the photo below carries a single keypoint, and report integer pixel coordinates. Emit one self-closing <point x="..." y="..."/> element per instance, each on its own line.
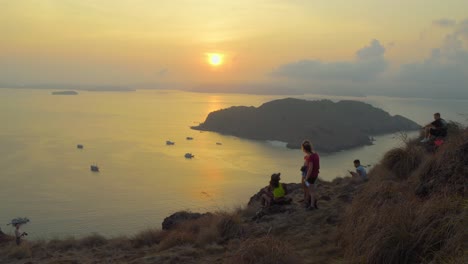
<point x="310" y="174"/>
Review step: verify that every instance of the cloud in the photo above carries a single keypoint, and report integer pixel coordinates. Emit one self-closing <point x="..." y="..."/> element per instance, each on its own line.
<point x="444" y="22"/>
<point x="368" y="64"/>
<point x="374" y="50"/>
<point x="462" y="29"/>
<point x="444" y="73"/>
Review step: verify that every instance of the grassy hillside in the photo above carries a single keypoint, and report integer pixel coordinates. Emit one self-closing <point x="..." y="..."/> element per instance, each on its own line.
<point x="412" y="210"/>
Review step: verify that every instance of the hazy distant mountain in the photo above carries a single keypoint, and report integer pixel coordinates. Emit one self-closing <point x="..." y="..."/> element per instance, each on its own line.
<point x="330" y="126"/>
<point x="65" y="93"/>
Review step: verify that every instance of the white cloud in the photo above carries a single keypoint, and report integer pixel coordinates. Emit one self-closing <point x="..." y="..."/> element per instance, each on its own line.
<point x="369" y="63"/>
<point x="443" y="74"/>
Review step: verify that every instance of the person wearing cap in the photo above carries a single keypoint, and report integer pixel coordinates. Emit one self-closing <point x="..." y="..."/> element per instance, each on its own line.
<point x="275" y="193"/>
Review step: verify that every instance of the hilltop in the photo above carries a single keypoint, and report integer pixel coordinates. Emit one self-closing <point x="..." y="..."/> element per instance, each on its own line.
<point x="331" y="126"/>
<point x="412" y="210"/>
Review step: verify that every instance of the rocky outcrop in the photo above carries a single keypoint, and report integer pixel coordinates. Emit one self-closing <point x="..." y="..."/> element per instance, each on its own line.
<point x="330" y="126"/>
<point x="177" y="218"/>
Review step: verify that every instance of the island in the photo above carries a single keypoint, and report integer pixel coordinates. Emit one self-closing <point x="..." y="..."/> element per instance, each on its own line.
<point x="331" y="126"/>
<point x="65" y="93"/>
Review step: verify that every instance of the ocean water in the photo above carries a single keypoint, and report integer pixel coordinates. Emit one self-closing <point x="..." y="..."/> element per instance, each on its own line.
<point x="45" y="177"/>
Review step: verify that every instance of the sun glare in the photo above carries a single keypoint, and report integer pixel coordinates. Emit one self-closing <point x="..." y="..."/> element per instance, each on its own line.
<point x="215" y="59"/>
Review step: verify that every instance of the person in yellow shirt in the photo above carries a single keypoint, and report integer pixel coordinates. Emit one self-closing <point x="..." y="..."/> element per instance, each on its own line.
<point x="275" y="193"/>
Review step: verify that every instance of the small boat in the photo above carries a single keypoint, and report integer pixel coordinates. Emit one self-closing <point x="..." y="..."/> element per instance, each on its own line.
<point x="79" y="146"/>
<point x="219" y="143"/>
<point x="169" y="143"/>
<point x="94" y="168"/>
<point x="189" y="138"/>
<point x="189" y="155"/>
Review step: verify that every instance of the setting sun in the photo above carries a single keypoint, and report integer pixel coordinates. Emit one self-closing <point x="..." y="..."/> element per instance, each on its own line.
<point x="215" y="59"/>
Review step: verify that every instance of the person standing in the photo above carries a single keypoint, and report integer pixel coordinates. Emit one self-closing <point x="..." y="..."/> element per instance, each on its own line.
<point x="311" y="172"/>
<point x="19" y="234"/>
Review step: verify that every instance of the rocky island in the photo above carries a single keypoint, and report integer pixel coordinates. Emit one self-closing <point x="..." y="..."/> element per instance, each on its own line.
<point x="331" y="126"/>
<point x="65" y="93"/>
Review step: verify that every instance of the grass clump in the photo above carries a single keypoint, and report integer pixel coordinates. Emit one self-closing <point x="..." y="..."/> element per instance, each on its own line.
<point x="148" y="238"/>
<point x="22" y="251"/>
<point x="176" y="238"/>
<point x="92" y="241"/>
<point x="264" y="250"/>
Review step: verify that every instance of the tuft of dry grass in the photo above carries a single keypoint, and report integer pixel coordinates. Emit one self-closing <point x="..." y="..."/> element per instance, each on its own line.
<point x="62" y="245"/>
<point x="176" y="238"/>
<point x="403" y="161"/>
<point x="92" y="241"/>
<point x="148" y="238"/>
<point x="264" y="250"/>
<point x="23" y="251"/>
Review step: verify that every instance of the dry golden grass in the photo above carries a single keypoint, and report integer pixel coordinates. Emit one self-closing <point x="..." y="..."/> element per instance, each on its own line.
<point x="92" y="241"/>
<point x="23" y="251"/>
<point x="148" y="238"/>
<point x="403" y="161"/>
<point x="390" y="222"/>
<point x="176" y="238"/>
<point x="62" y="245"/>
<point x="264" y="250"/>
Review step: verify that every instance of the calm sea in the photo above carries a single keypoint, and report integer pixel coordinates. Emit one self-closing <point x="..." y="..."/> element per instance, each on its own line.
<point x="45" y="177"/>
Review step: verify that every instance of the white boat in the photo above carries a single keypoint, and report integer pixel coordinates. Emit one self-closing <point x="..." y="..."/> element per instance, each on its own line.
<point x="168" y="142"/>
<point x="189" y="155"/>
<point x="94" y="168"/>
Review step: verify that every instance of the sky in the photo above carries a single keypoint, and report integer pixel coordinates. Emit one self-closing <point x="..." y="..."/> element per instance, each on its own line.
<point x="360" y="47"/>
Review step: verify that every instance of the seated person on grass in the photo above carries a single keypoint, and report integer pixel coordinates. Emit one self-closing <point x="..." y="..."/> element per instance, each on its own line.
<point x="360" y="171"/>
<point x="275" y="193"/>
<point x="437" y="128"/>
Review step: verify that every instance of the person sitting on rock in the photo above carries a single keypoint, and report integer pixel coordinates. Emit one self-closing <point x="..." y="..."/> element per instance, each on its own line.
<point x="437" y="128"/>
<point x="360" y="171"/>
<point x="275" y="193"/>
